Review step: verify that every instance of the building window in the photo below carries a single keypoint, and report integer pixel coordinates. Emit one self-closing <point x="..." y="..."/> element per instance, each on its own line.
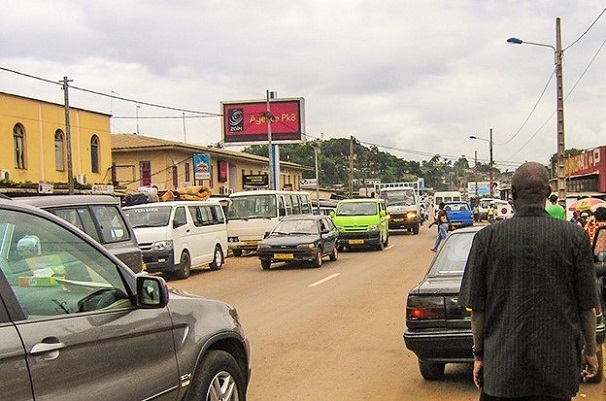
<point x="187" y="167"/>
<point x="59" y="151"/>
<point x="19" y="144"/>
<point x="94" y="154"/>
<point x="175" y="177"/>
<point x="145" y="173"/>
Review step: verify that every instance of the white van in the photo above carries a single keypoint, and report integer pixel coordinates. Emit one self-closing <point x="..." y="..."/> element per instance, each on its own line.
<point x="253" y="213"/>
<point x="178" y="236"/>
<point x="446" y="196"/>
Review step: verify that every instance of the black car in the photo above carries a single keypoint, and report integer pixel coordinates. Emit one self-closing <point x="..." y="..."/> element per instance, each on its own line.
<point x="300" y="238"/>
<point x="438" y="329"/>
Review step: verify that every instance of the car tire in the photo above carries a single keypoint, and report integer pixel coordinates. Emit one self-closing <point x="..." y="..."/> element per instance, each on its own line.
<point x="237" y="252"/>
<point x="379" y="246"/>
<point x="598" y="378"/>
<point x="431" y="370"/>
<point x="415" y="229"/>
<point x="217" y="262"/>
<point x="317" y="262"/>
<point x="265" y="264"/>
<point x="334" y="255"/>
<point x="218" y="377"/>
<point x="184" y="266"/>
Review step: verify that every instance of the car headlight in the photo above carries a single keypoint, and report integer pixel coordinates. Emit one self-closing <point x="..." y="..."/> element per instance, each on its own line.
<point x="162" y="246"/>
<point x="411" y="215"/>
<point x="373" y="228"/>
<point x="306" y="246"/>
<point x="263" y="246"/>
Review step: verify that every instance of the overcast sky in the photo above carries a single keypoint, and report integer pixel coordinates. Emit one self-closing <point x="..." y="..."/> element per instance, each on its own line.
<point x="414" y="77"/>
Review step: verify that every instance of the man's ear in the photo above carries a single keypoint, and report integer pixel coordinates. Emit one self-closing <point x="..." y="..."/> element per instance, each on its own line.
<point x="548" y="192"/>
<point x="514" y="193"/>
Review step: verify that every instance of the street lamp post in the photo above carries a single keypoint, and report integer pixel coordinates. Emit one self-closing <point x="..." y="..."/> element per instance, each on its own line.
<point x="491" y="163"/>
<point x="561" y="148"/>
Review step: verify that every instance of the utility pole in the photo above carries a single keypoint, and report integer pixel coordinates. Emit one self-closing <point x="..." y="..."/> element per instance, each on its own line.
<point x="561" y="172"/>
<point x="475" y="170"/>
<point x="351" y="158"/>
<point x="68" y="137"/>
<point x="491" y="172"/>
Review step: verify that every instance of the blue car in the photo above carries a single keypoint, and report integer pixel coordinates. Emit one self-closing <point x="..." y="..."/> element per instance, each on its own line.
<point x="460" y="213"/>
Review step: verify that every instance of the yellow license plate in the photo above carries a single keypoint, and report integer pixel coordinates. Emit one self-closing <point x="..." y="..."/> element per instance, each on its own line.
<point x="355" y="241"/>
<point x="251" y="242"/>
<point x="397" y="220"/>
<point x="284" y="256"/>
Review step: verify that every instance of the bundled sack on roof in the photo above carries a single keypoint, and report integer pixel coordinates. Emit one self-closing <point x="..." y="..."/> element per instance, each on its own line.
<point x="195" y="192"/>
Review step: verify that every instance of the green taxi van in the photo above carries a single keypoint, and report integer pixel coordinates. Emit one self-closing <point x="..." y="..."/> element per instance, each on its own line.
<point x="362" y="222"/>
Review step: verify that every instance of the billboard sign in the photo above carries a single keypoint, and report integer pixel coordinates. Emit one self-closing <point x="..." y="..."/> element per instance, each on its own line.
<point x="202" y="166"/>
<point x="245" y="122"/>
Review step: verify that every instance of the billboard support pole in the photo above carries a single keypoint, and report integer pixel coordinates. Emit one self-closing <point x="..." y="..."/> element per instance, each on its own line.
<point x="271" y="176"/>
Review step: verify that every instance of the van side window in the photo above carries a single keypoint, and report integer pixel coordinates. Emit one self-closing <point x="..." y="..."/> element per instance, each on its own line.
<point x="180" y="217"/>
<point x="296" y="207"/>
<point x="217" y="214"/>
<point x="305" y="204"/>
<point x="281" y="206"/>
<point x="196" y="215"/>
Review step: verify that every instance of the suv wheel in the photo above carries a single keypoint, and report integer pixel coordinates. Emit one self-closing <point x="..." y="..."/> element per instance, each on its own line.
<point x="237" y="252"/>
<point x="217" y="262"/>
<point x="184" y="266"/>
<point x="217" y="378"/>
<point x="265" y="264"/>
<point x="431" y="370"/>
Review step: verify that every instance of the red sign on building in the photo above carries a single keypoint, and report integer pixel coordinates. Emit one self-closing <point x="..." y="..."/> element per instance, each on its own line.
<point x="245" y="122"/>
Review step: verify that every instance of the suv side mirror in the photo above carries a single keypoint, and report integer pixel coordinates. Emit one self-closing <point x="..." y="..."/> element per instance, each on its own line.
<point x="152" y="292"/>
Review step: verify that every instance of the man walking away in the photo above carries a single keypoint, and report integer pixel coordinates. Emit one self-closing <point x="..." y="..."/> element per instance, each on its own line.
<point x="533" y="321"/>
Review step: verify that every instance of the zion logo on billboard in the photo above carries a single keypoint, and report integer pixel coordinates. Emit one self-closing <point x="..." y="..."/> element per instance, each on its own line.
<point x="236" y="120"/>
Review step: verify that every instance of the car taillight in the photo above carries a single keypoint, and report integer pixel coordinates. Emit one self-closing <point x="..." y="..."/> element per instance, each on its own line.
<point x="425" y="308"/>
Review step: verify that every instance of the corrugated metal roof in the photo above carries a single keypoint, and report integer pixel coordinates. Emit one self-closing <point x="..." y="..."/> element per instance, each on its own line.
<point x="136" y="142"/>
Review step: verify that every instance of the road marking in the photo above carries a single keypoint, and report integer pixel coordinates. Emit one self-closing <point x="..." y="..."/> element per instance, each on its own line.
<point x="325" y="279"/>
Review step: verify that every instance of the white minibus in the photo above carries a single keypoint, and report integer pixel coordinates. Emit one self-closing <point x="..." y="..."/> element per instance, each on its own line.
<point x="253" y="213"/>
<point x="177" y="236"/>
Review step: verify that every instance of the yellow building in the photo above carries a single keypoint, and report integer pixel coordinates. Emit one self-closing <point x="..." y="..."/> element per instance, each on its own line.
<point x="142" y="161"/>
<point x="35" y="143"/>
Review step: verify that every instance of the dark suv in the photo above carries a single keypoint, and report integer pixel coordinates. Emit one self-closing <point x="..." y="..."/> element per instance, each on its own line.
<point x="101" y="217"/>
<point x="78" y="324"/>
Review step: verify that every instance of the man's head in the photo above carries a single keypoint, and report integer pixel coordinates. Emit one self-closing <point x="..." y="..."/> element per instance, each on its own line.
<point x="441" y="205"/>
<point x="553" y="198"/>
<point x="530" y="185"/>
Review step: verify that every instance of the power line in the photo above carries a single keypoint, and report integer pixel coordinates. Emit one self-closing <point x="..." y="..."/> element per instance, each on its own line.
<point x="113" y="96"/>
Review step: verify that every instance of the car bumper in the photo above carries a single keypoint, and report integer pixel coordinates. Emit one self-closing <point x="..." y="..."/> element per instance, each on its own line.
<point x="360" y="239"/>
<point x="440" y="346"/>
<point x="287" y="256"/>
<point x="159" y="262"/>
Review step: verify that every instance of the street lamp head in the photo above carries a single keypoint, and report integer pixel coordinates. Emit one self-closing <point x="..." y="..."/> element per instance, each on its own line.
<point x="515" y="41"/>
<point x="473" y="137"/>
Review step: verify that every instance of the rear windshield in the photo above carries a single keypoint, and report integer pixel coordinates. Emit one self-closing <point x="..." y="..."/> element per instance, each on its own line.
<point x="452" y="257"/>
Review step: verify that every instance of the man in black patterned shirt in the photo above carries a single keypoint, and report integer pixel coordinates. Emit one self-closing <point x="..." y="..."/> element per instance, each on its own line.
<point x="530" y="283"/>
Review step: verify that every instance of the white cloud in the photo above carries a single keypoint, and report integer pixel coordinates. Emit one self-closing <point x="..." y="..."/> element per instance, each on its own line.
<point x="412" y="75"/>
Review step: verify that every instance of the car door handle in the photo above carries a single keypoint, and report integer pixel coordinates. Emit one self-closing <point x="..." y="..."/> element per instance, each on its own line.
<point x="45" y="347"/>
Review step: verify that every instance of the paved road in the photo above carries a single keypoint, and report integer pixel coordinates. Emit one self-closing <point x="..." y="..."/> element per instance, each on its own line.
<point x="335" y="333"/>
